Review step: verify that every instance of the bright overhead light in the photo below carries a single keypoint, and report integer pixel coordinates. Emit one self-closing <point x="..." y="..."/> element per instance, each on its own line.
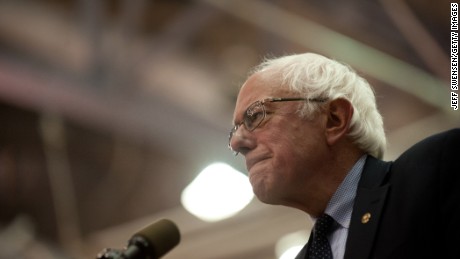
<point x="290" y="245"/>
<point x="291" y="252"/>
<point x="218" y="192"/>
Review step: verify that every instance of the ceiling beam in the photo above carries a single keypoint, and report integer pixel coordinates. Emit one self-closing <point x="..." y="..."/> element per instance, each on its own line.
<point x="319" y="38"/>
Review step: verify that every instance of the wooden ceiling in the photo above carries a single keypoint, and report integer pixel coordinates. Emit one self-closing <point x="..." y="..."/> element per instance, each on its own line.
<point x="109" y="109"/>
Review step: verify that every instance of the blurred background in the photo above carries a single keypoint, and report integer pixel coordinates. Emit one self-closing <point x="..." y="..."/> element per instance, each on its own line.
<point x="110" y="108"/>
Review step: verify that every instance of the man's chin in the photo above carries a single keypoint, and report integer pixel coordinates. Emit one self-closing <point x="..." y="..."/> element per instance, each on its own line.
<point x="257" y="180"/>
<point x="267" y="199"/>
<point x="263" y="193"/>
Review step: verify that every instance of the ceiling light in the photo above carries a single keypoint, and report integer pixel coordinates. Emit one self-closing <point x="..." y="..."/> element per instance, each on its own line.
<point x="218" y="192"/>
<point x="290" y="245"/>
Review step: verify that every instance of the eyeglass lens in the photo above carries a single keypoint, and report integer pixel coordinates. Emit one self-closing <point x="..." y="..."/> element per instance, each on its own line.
<point x="253" y="116"/>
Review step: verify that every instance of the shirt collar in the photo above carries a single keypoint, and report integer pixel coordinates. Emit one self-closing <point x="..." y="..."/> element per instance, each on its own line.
<point x="340" y="206"/>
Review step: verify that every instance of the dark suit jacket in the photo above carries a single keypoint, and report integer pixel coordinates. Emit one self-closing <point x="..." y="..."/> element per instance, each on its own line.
<point x="413" y="202"/>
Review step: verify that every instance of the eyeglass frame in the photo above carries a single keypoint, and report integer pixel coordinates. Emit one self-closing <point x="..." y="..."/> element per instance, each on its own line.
<point x="262" y="103"/>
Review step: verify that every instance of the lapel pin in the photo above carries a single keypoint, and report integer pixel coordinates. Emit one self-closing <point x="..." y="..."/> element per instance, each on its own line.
<point x="365" y="218"/>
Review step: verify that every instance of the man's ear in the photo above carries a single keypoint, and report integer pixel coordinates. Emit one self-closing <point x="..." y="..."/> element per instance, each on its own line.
<point x="339" y="113"/>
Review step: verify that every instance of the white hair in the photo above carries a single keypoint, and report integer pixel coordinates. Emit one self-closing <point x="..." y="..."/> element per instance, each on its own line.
<point x="314" y="76"/>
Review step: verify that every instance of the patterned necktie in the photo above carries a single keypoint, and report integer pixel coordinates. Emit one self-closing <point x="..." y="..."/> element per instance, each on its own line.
<point x="319" y="247"/>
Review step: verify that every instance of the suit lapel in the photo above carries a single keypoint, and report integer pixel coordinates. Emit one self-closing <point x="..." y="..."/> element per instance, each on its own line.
<point x="369" y="201"/>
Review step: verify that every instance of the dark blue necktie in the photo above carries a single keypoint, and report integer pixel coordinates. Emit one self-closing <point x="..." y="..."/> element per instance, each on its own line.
<point x="319" y="247"/>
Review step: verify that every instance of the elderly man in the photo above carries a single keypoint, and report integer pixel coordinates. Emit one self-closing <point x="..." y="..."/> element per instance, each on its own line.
<point x="312" y="137"/>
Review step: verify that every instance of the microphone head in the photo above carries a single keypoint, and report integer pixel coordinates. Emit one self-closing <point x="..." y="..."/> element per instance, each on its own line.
<point x="161" y="236"/>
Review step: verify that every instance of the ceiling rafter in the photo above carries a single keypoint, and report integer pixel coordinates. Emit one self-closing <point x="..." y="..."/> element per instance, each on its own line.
<point x="367" y="59"/>
<point x="418" y="36"/>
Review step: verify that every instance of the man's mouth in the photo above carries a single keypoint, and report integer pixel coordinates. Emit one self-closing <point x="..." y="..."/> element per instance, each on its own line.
<point x="253" y="161"/>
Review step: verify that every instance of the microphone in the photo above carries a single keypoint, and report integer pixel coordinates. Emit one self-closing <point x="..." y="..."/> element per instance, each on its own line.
<point x="151" y="242"/>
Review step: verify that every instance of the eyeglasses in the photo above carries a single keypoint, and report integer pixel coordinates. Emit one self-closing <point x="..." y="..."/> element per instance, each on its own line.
<point x="256" y="113"/>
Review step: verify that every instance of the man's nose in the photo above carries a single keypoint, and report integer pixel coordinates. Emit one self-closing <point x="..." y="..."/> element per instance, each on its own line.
<point x="240" y="141"/>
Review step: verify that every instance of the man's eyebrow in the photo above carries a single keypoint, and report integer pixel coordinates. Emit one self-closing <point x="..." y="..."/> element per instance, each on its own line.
<point x="234" y="120"/>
